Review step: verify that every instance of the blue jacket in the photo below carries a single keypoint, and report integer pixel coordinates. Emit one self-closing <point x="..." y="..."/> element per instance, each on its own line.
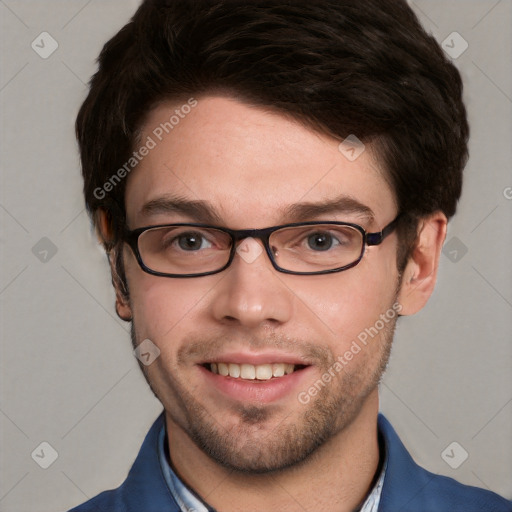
<point x="407" y="487"/>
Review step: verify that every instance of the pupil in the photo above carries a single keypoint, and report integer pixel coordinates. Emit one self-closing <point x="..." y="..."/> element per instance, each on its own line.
<point x="320" y="242"/>
<point x="188" y="242"/>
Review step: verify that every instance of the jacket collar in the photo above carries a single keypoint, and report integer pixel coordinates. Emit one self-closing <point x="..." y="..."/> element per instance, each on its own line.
<point x="145" y="482"/>
<point x="404" y="480"/>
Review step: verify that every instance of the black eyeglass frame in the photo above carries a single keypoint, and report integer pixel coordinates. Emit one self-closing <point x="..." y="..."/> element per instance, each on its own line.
<point x="131" y="237"/>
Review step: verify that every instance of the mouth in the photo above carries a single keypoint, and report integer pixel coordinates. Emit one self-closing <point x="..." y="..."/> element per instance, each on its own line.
<point x="255" y="377"/>
<point x="250" y="378"/>
<point x="251" y="372"/>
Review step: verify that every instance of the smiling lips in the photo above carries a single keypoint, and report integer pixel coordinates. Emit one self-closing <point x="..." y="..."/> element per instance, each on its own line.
<point x="253" y="372"/>
<point x="256" y="378"/>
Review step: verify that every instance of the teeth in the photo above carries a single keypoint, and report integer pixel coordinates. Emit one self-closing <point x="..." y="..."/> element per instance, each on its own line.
<point x="278" y="370"/>
<point x="252" y="372"/>
<point x="289" y="368"/>
<point x="248" y="371"/>
<point x="264" y="372"/>
<point x="234" y="370"/>
<point x="223" y="369"/>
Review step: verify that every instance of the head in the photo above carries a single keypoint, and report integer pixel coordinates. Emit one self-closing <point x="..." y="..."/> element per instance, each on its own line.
<point x="232" y="114"/>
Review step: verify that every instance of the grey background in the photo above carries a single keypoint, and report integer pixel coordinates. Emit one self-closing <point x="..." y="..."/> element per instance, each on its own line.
<point x="68" y="375"/>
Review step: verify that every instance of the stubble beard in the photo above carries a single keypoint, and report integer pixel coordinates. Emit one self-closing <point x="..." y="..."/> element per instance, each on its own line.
<point x="249" y="447"/>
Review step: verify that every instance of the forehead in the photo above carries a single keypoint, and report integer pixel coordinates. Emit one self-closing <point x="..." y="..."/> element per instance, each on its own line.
<point x="250" y="164"/>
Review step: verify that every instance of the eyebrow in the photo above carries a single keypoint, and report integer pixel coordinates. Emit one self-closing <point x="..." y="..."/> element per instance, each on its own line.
<point x="198" y="210"/>
<point x="342" y="204"/>
<point x="202" y="211"/>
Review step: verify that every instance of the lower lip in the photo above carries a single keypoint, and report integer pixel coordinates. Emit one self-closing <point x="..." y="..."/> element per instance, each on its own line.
<point x="262" y="391"/>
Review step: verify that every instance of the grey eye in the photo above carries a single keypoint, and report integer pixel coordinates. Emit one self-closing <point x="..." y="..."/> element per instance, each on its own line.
<point x="190" y="241"/>
<point x="320" y="241"/>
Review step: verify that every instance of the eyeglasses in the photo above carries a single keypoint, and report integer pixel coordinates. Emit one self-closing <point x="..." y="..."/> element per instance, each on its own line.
<point x="306" y="248"/>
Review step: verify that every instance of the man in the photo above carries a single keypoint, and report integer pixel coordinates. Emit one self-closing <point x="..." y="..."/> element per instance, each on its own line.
<point x="272" y="182"/>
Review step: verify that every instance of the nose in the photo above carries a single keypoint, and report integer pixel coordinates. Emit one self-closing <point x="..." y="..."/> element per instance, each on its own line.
<point x="251" y="293"/>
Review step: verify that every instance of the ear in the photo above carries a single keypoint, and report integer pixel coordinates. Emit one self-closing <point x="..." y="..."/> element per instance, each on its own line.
<point x="420" y="274"/>
<point x="104" y="231"/>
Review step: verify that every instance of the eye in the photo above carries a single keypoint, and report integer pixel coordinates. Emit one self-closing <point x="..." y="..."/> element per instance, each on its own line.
<point x="191" y="241"/>
<point x="321" y="241"/>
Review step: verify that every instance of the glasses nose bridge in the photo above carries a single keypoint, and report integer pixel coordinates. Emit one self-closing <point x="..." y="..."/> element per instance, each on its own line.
<point x="258" y="234"/>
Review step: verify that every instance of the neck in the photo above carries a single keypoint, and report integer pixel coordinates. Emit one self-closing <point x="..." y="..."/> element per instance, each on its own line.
<point x="341" y="472"/>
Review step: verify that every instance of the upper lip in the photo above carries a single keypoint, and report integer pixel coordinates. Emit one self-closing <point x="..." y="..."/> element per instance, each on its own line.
<point x="257" y="358"/>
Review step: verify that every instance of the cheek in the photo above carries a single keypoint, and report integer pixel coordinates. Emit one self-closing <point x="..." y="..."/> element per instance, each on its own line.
<point x="346" y="304"/>
<point x="164" y="306"/>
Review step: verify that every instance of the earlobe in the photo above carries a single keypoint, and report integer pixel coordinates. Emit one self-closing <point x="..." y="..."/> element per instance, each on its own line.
<point x="104" y="232"/>
<point x="123" y="309"/>
<point x="103" y="227"/>
<point x="420" y="273"/>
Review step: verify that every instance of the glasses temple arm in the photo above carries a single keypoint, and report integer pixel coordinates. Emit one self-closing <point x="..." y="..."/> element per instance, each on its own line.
<point x="377" y="238"/>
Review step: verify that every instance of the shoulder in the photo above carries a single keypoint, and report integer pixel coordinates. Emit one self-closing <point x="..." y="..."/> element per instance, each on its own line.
<point x="144" y="489"/>
<point x="444" y="493"/>
<point x="411" y="488"/>
<point x="108" y="500"/>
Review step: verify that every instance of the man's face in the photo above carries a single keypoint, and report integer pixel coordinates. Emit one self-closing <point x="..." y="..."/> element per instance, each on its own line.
<point x="249" y="166"/>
